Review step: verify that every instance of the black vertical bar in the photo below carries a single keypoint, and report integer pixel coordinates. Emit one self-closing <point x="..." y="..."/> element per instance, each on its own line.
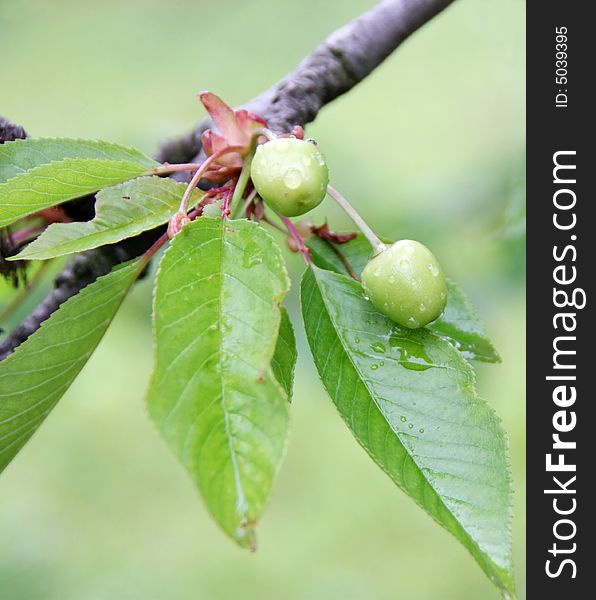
<point x="561" y="164"/>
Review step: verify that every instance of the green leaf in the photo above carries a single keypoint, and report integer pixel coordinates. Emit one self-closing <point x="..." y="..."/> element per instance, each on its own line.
<point x="122" y="211"/>
<point x="357" y="252"/>
<point x="54" y="183"/>
<point x="41" y="369"/>
<point x="409" y="398"/>
<point x="459" y="323"/>
<point x="22" y="155"/>
<point x="284" y="358"/>
<point x="213" y="394"/>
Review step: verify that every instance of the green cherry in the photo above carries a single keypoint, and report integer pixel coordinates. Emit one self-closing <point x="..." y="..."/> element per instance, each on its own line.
<point x="290" y="175"/>
<point x="405" y="282"/>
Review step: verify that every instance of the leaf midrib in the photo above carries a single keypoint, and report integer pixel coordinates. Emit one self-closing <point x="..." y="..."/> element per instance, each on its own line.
<point x="241" y="502"/>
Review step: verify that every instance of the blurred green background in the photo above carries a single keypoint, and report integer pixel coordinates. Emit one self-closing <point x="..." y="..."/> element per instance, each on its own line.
<point x="430" y="146"/>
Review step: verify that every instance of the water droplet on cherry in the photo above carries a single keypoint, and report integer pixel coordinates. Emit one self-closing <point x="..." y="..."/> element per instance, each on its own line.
<point x="434" y="270"/>
<point x="293" y="178"/>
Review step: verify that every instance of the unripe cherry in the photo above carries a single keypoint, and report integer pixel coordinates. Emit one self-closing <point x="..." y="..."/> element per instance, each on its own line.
<point x="405" y="282"/>
<point x="291" y="175"/>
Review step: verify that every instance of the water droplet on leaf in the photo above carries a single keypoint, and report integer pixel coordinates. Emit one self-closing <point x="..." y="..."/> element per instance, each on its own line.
<point x="377" y="347"/>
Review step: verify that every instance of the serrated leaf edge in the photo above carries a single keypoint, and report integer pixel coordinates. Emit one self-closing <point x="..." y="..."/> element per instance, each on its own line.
<point x="495" y="578"/>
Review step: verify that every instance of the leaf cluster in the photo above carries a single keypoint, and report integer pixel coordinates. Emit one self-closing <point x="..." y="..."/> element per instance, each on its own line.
<point x="225" y="351"/>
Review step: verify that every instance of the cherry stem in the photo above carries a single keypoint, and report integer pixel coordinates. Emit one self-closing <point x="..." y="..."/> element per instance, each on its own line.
<point x="200" y="172"/>
<point x="242" y="181"/>
<point x="369" y="234"/>
<point x="302" y="248"/>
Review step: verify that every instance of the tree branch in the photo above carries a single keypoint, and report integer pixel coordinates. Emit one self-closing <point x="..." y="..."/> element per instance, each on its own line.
<point x="9" y="132"/>
<point x="344" y="59"/>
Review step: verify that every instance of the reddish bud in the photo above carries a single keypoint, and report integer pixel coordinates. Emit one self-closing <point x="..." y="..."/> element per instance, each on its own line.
<point x="331" y="236"/>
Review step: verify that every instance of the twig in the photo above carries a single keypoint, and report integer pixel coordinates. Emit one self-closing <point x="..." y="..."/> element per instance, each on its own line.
<point x="337" y="65"/>
<point x="10" y="131"/>
<point x="344" y="59"/>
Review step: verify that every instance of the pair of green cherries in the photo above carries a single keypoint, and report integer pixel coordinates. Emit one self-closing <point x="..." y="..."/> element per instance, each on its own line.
<point x="403" y="281"/>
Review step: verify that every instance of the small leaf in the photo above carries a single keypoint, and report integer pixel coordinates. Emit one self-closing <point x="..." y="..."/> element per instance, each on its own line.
<point x="213" y="394"/>
<point x="284" y="359"/>
<point x="459" y="323"/>
<point x="408" y="396"/>
<point x="236" y="126"/>
<point x="122" y="211"/>
<point x="57" y="182"/>
<point x="41" y="369"/>
<point x="357" y="252"/>
<point x="22" y="155"/>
